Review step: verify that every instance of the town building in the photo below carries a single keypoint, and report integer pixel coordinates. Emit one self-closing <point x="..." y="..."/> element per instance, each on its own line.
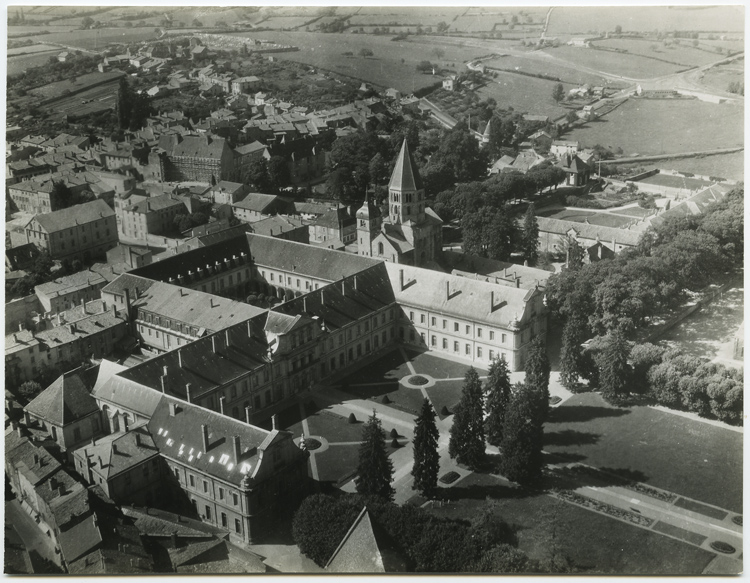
<point x="256" y="206"/>
<point x="83" y="231"/>
<point x="66" y="292"/>
<point x="150" y="216"/>
<point x="200" y="158"/>
<point x="286" y="227"/>
<point x="576" y="170"/>
<point x="226" y="192"/>
<point x="553" y="231"/>
<point x="335" y="229"/>
<point x="560" y="148"/>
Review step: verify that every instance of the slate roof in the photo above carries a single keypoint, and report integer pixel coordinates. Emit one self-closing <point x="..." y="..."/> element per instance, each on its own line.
<point x="130" y="394"/>
<point x="154" y="204"/>
<point x="179" y="437"/>
<point x="588" y="231"/>
<point x="159" y="523"/>
<point x="22" y="458"/>
<point x="255" y="201"/>
<point x="251" y="148"/>
<point x="501" y="272"/>
<point x="66" y="400"/>
<point x="72" y="503"/>
<point x="405" y="176"/>
<point x="573" y="164"/>
<point x="338" y="218"/>
<point x="93" y="324"/>
<point x="70" y="283"/>
<point x="118" y="452"/>
<point x="80" y="539"/>
<point x="276" y="225"/>
<point x="78" y="214"/>
<point x="694" y="205"/>
<point x="200" y="147"/>
<point x="130" y="282"/>
<point x="304" y="259"/>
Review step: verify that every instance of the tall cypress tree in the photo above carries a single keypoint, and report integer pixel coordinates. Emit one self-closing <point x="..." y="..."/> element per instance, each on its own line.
<point x="574" y="334"/>
<point x="467" y="432"/>
<point x="614" y="370"/>
<point x="124" y="105"/>
<point x="537" y="375"/>
<point x="375" y="469"/>
<point x="523" y="437"/>
<point x="426" y="458"/>
<point x="530" y="236"/>
<point x="497" y="395"/>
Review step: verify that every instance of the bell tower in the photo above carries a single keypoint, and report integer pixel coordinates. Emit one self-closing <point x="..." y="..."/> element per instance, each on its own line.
<point x="369" y="221"/>
<point x="405" y="192"/>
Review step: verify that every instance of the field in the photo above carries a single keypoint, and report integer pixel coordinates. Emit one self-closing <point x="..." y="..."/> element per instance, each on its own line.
<point x="544" y="67"/>
<point x="583" y="20"/>
<point x="99" y="38"/>
<point x="594" y="218"/>
<point x="393" y="64"/>
<point x="685" y="53"/>
<point x="721" y="76"/>
<point x="524" y="94"/>
<point x="731" y="166"/>
<point x="21" y="63"/>
<point x="31" y="49"/>
<point x="651" y="126"/>
<point x="623" y="65"/>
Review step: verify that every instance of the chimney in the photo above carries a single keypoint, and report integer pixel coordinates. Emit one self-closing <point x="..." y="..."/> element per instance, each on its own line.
<point x="174" y="539"/>
<point x="83" y="305"/>
<point x="163" y="380"/>
<point x="172" y="409"/>
<point x="355" y="282"/>
<point x="222" y="400"/>
<point x="237" y="449"/>
<point x="518" y="282"/>
<point x="226" y="337"/>
<point x="187" y="393"/>
<point x="401" y="279"/>
<point x="274" y="421"/>
<point x="213" y="344"/>
<point x="53" y="484"/>
<point x="304" y="304"/>
<point x="204" y="432"/>
<point x="343" y="287"/>
<point x="114" y="445"/>
<point x="36" y="459"/>
<point x="179" y="357"/>
<point x="492" y="301"/>
<point x="127" y="299"/>
<point x="322" y="297"/>
<point x="247" y="415"/>
<point x="165" y="370"/>
<point x="72" y="328"/>
<point x="447" y="290"/>
<point x="20" y="326"/>
<point x="138" y="439"/>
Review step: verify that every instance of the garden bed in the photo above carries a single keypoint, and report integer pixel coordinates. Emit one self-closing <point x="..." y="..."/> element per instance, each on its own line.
<point x="603" y="507"/>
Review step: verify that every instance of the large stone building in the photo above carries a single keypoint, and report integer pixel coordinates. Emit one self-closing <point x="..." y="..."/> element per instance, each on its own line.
<point x="200" y="158"/>
<point x="411" y="233"/>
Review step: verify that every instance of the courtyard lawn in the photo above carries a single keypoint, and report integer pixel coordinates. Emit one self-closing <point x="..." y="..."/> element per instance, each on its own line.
<point x="445" y="394"/>
<point x="634" y="211"/>
<point x="581" y="216"/>
<point x="595" y="543"/>
<point x="335" y="428"/>
<point x="687" y="457"/>
<point x="336" y="462"/>
<point x="440" y="368"/>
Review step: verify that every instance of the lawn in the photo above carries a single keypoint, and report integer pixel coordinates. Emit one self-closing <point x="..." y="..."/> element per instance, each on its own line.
<point x="594" y="218"/>
<point x="688" y="457"/>
<point x="393" y="64"/>
<point x="524" y="94"/>
<point x="634" y="211"/>
<point x="445" y="394"/>
<point x="583" y="20"/>
<point x="594" y="542"/>
<point x="721" y="76"/>
<point x="657" y="126"/>
<point x="440" y="368"/>
<point x="621" y="64"/>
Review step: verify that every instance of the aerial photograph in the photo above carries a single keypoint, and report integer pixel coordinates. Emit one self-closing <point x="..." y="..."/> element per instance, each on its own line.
<point x="315" y="290"/>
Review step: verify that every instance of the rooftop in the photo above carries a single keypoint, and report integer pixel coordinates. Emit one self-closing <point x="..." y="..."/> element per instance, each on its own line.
<point x="70" y="284"/>
<point x="71" y="217"/>
<point x="66" y="400"/>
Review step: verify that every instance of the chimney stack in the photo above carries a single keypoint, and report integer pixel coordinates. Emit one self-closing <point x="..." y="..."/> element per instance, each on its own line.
<point x="20" y="326"/>
<point x="343" y="287"/>
<point x="401" y="279"/>
<point x="173" y="536"/>
<point x="204" y="431"/>
<point x="187" y="393"/>
<point x="274" y="422"/>
<point x="355" y="281"/>
<point x="163" y="380"/>
<point x="447" y="290"/>
<point x="222" y="400"/>
<point x="83" y="305"/>
<point x="179" y="357"/>
<point x="237" y="449"/>
<point x="247" y="415"/>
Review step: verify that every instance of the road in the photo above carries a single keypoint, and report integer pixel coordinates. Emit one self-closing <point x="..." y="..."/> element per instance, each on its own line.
<point x="35" y="541"/>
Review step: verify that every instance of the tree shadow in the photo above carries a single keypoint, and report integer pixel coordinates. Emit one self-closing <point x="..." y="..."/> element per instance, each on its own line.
<point x="571" y="437"/>
<point x="574" y="413"/>
<point x="482" y="492"/>
<point x="578" y="476"/>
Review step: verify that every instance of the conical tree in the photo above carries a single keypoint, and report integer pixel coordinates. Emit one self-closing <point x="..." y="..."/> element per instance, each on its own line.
<point x="124" y="104"/>
<point x="530" y="236"/>
<point x="426" y="458"/>
<point x="497" y="395"/>
<point x="614" y="370"/>
<point x="537" y="375"/>
<point x="467" y="432"/>
<point x="375" y="469"/>
<point x="521" y="446"/>
<point x="574" y="334"/>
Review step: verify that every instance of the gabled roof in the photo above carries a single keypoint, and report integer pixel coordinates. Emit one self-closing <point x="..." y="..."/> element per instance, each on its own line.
<point x="337" y="218"/>
<point x="80" y="539"/>
<point x="405" y="176"/>
<point x="75" y="215"/>
<point x="118" y="452"/>
<point x="255" y="201"/>
<point x="66" y="400"/>
<point x="588" y="231"/>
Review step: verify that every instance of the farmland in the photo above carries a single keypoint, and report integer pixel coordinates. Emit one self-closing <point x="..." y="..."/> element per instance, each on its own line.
<point x="623" y="65"/>
<point x="523" y="94"/>
<point x="731" y="166"/>
<point x="545" y="67"/>
<point x="651" y="126"/>
<point x="21" y="63"/>
<point x="721" y="76"/>
<point x="99" y="38"/>
<point x="684" y="53"/>
<point x="576" y="20"/>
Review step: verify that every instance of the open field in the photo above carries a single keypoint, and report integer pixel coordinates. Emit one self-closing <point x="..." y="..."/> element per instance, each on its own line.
<point x="583" y="20"/>
<point x="31" y="49"/>
<point x="642" y="440"/>
<point x="60" y="87"/>
<point x="524" y="94"/>
<point x="595" y="543"/>
<point x="581" y="216"/>
<point x="545" y="67"/>
<point x="721" y="76"/>
<point x="623" y="65"/>
<point x="658" y="126"/>
<point x="393" y="64"/>
<point x="685" y="53"/>
<point x="21" y="63"/>
<point x="731" y="166"/>
<point x="98" y="39"/>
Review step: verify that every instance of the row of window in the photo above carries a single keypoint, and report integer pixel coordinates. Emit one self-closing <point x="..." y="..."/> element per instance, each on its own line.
<point x="457" y="327"/>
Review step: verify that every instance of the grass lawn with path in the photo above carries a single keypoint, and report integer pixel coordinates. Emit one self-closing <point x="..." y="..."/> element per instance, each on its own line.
<point x="675" y="453"/>
<point x="595" y="543"/>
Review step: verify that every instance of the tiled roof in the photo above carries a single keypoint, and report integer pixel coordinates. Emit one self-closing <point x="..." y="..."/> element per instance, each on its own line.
<point x="276" y="225"/>
<point x="155" y="203"/>
<point x="130" y="282"/>
<point x="176" y="425"/>
<point x="118" y="452"/>
<point x="324" y="264"/>
<point x="70" y="283"/>
<point x="335" y="219"/>
<point x="588" y="231"/>
<point x="200" y="147"/>
<point x="35" y="463"/>
<point x="255" y="201"/>
<point x="93" y="324"/>
<point x="159" y="523"/>
<point x="405" y="176"/>
<point x="66" y="497"/>
<point x="78" y="214"/>
<point x="129" y="394"/>
<point x="66" y="400"/>
<point x="80" y="539"/>
<point x="502" y="272"/>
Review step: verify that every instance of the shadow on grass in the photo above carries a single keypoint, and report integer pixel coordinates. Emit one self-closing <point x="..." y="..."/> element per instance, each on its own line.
<point x="571" y="437"/>
<point x="595" y="477"/>
<point x="573" y="413"/>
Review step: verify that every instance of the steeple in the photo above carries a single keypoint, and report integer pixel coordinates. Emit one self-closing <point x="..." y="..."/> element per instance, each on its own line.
<point x="405" y="194"/>
<point x="486" y="134"/>
<point x="369" y="221"/>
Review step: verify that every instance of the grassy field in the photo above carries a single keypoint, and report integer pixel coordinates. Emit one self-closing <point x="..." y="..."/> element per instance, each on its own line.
<point x="721" y="76"/>
<point x="594" y="218"/>
<point x="393" y="64"/>
<point x="524" y="94"/>
<point x="651" y="126"/>
<point x="624" y="65"/>
<point x="684" y="53"/>
<point x="583" y="20"/>
<point x="731" y="166"/>
<point x="545" y="67"/>
<point x="595" y="543"/>
<point x="21" y="63"/>
<point x="98" y="39"/>
<point x="688" y="457"/>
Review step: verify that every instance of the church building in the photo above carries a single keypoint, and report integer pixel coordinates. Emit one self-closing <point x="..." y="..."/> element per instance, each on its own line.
<point x="411" y="234"/>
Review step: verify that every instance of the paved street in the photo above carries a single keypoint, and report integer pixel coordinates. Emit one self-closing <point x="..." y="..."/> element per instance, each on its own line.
<point x="35" y="541"/>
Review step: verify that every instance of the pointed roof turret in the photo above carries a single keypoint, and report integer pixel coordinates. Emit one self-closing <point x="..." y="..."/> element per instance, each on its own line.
<point x="486" y="134"/>
<point x="368" y="209"/>
<point x="405" y="176"/>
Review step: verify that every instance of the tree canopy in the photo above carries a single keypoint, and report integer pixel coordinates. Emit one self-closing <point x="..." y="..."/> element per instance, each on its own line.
<point x="426" y="458"/>
<point x="375" y="468"/>
<point x="466" y="443"/>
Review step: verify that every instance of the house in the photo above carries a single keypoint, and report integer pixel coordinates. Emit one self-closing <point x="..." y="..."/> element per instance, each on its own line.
<point x="560" y="148"/>
<point x="282" y="227"/>
<point x="64" y="56"/>
<point x="551" y="231"/>
<point x="256" y="206"/>
<point x="451" y="83"/>
<point x="67" y="411"/>
<point x="503" y="163"/>
<point x="225" y="192"/>
<point x="66" y="292"/>
<point x="541" y="141"/>
<point x="526" y="160"/>
<point x="579" y="42"/>
<point x="154" y="215"/>
<point x="245" y="84"/>
<point x="578" y="172"/>
<point x="83" y="231"/>
<point x="305" y="160"/>
<point x="21" y="257"/>
<point x="200" y="158"/>
<point x="334" y="229"/>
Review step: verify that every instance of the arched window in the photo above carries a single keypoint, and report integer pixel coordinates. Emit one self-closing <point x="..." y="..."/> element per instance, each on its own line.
<point x="380" y="248"/>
